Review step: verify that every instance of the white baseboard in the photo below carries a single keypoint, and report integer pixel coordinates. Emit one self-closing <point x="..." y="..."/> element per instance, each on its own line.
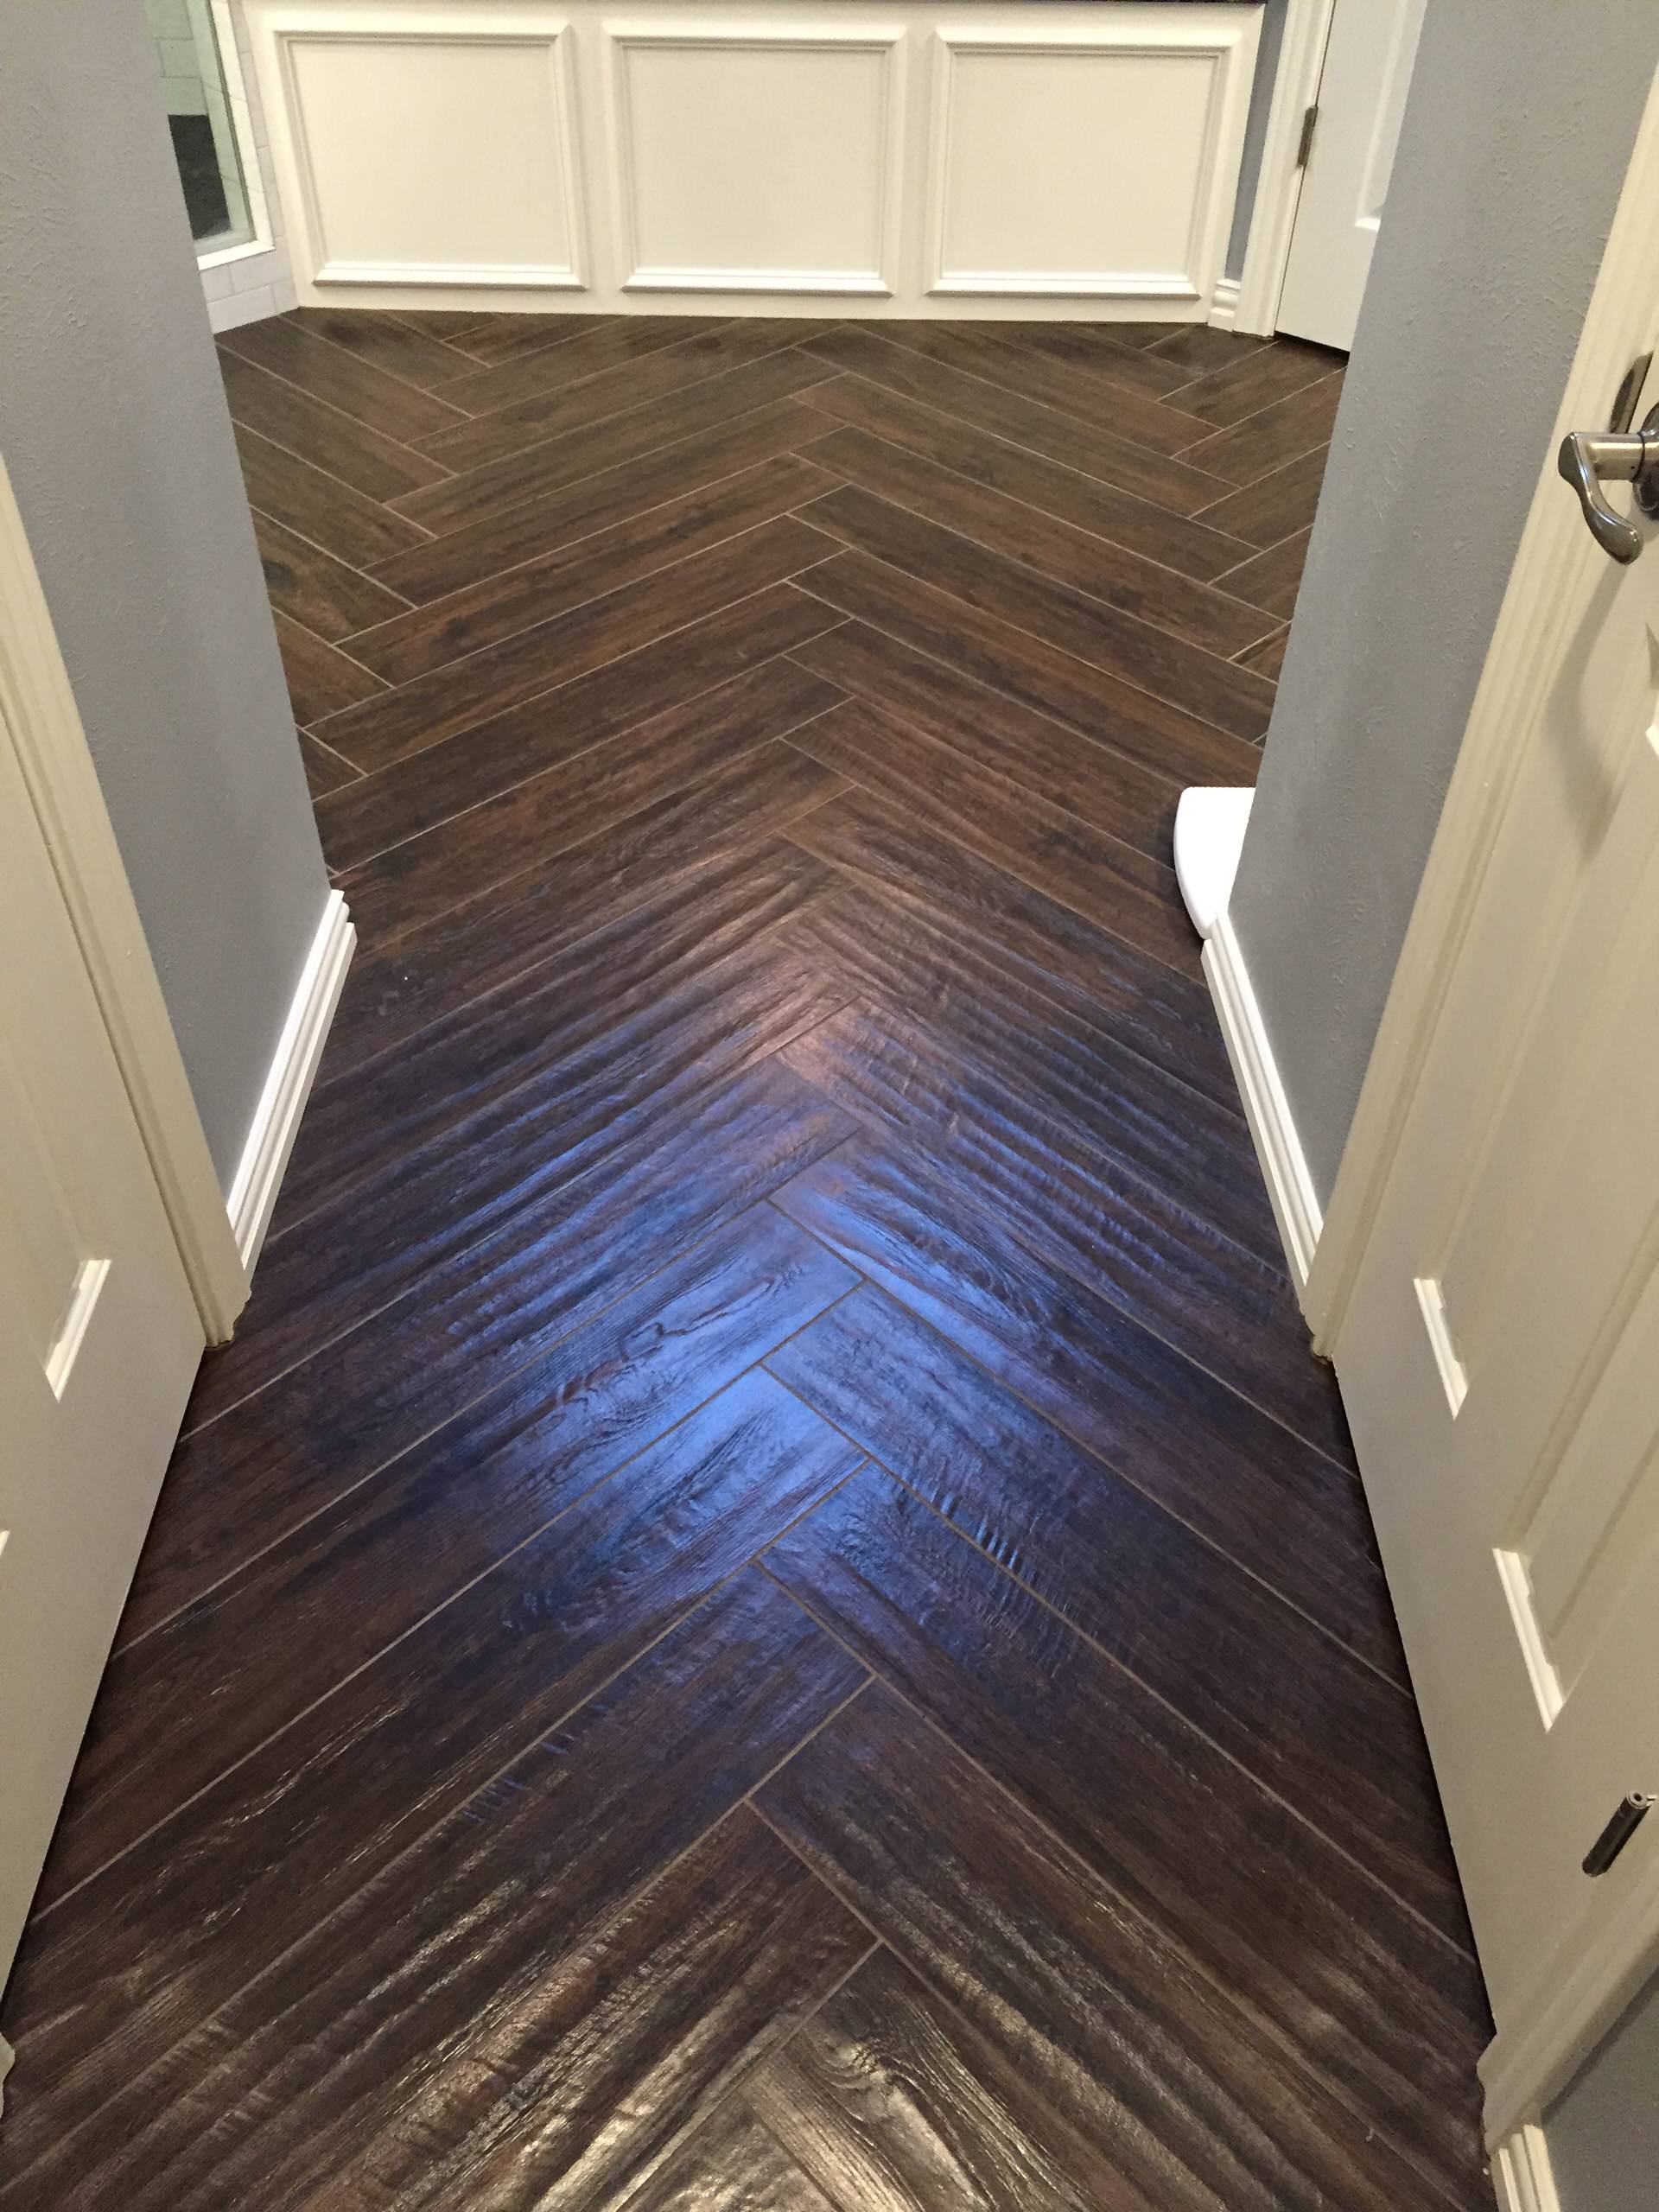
<point x="8" y="2057"/>
<point x="1284" y="1166"/>
<point x="1521" y="2173"/>
<point x="1224" y="302"/>
<point x="277" y="1118"/>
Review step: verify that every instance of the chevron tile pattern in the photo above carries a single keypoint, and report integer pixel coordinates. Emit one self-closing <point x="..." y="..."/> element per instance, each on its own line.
<point x="769" y="1609"/>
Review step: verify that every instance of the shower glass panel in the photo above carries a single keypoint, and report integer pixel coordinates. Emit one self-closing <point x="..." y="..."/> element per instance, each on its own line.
<point x="186" y="37"/>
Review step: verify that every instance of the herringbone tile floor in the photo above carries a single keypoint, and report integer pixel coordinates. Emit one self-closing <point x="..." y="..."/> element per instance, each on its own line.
<point x="769" y="1609"/>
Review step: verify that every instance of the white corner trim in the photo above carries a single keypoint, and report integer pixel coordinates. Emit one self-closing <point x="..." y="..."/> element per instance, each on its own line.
<point x="1522" y="2175"/>
<point x="1223" y="303"/>
<point x="1284" y="1166"/>
<point x="288" y="1085"/>
<point x="1279" y="178"/>
<point x="7" y="2059"/>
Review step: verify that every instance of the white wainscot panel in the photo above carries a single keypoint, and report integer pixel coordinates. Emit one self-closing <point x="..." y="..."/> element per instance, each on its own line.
<point x="429" y="145"/>
<point x="1085" y="164"/>
<point x="755" y="159"/>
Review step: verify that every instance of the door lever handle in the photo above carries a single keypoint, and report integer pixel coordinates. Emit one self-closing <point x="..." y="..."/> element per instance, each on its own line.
<point x="1589" y="458"/>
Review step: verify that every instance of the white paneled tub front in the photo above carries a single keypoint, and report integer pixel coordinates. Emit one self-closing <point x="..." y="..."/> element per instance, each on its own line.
<point x="1016" y="158"/>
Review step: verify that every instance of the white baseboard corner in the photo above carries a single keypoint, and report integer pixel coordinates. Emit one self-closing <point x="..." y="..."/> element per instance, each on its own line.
<point x="7" y="2059"/>
<point x="1284" y="1166"/>
<point x="1521" y="2173"/>
<point x="1224" y="302"/>
<point x="277" y="1118"/>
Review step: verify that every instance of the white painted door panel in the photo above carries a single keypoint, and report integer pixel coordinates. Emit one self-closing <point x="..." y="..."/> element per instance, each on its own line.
<point x="1361" y="98"/>
<point x="1500" y="1358"/>
<point x="99" y="1339"/>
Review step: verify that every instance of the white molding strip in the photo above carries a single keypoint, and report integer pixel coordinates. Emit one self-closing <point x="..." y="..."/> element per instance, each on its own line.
<point x="1223" y="303"/>
<point x="1522" y="2175"/>
<point x="288" y="1085"/>
<point x="1284" y="1166"/>
<point x="8" y="2060"/>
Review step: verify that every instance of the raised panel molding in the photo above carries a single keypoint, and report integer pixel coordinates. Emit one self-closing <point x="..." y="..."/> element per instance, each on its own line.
<point x="781" y="177"/>
<point x="430" y="146"/>
<point x="1068" y="163"/>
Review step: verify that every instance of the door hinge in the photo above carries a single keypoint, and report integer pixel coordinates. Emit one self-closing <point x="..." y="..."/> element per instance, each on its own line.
<point x="1628" y="1815"/>
<point x="1304" y="146"/>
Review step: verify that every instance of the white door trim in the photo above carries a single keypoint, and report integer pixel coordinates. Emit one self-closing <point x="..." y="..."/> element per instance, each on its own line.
<point x="1526" y="640"/>
<point x="1252" y="305"/>
<point x="39" y="707"/>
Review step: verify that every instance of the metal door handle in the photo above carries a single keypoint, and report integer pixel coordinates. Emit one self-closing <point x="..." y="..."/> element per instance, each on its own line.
<point x="1589" y="458"/>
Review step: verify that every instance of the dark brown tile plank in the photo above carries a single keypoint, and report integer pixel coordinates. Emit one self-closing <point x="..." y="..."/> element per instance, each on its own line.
<point x="1266" y="1500"/>
<point x="1056" y="549"/>
<point x="1008" y="586"/>
<point x="325" y="772"/>
<point x="609" y="343"/>
<point x="1268" y="657"/>
<point x="343" y="379"/>
<point x="248" y="1479"/>
<point x="730" y="2164"/>
<point x="1192" y="549"/>
<point x="321" y="680"/>
<point x="708" y="404"/>
<point x="312" y="587"/>
<point x="1233" y="390"/>
<point x="1278" y="434"/>
<point x="367" y="460"/>
<point x="207" y="1689"/>
<point x="473" y="555"/>
<point x="1010" y="659"/>
<point x="400" y="346"/>
<point x="1181" y="486"/>
<point x="461" y="694"/>
<point x="526" y="827"/>
<point x="1390" y="2014"/>
<point x="1032" y="372"/>
<point x="1197" y="348"/>
<point x="644" y="1766"/>
<point x="355" y="530"/>
<point x="1108" y="882"/>
<point x="1276" y="505"/>
<point x="1170" y="2079"/>
<point x="1272" y="580"/>
<point x="416" y="641"/>
<point x="428" y="787"/>
<point x="504" y="336"/>
<point x="1100" y="350"/>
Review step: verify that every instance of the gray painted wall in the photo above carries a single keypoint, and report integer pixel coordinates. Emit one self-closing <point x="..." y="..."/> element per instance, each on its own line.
<point x="1603" y="2131"/>
<point x="1255" y="132"/>
<point x="1514" y="147"/>
<point x="113" y="425"/>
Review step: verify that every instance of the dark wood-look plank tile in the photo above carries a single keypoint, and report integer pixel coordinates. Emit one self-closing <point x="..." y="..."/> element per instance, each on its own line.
<point x="1107" y="881"/>
<point x="710" y="404"/>
<point x="1099" y="786"/>
<point x="887" y="2098"/>
<point x="730" y="2164"/>
<point x="504" y="336"/>
<point x="367" y="460"/>
<point x="1268" y="657"/>
<point x="461" y="694"/>
<point x="398" y="345"/>
<point x="1053" y="953"/>
<point x="661" y="372"/>
<point x="1278" y="434"/>
<point x="318" y="506"/>
<point x="1010" y="659"/>
<point x="325" y="772"/>
<point x="209" y="1687"/>
<point x="428" y="787"/>
<point x="1008" y="586"/>
<point x="418" y="640"/>
<point x="1233" y="390"/>
<point x="1069" y="556"/>
<point x="1182" y="487"/>
<point x="1272" y="580"/>
<point x="1353" y="1984"/>
<point x="1031" y="373"/>
<point x="270" y="1461"/>
<point x="644" y="1767"/>
<point x="343" y="379"/>
<point x="1100" y="350"/>
<point x="1169" y="2078"/>
<point x="1192" y="549"/>
<point x="675" y="850"/>
<point x="321" y="680"/>
<point x="609" y="342"/>
<point x="1195" y="348"/>
<point x="526" y="827"/>
<point x="310" y="586"/>
<point x="1270" y="1503"/>
<point x="475" y="553"/>
<point x="1277" y="504"/>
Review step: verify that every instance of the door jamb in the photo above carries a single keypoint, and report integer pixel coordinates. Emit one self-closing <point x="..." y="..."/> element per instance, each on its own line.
<point x="1254" y="309"/>
<point x="37" y="706"/>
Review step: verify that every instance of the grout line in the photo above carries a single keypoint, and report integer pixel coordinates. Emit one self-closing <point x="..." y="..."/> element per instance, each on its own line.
<point x="352" y="423"/>
<point x="363" y="361"/>
<point x="368" y="497"/>
<point x="337" y="560"/>
<point x="1226" y="430"/>
<point x="356" y="772"/>
<point x="1319" y="445"/>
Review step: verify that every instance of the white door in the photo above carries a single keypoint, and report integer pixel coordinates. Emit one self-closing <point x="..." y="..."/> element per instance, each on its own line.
<point x="1500" y="1356"/>
<point x="99" y="1340"/>
<point x="1362" y="98"/>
